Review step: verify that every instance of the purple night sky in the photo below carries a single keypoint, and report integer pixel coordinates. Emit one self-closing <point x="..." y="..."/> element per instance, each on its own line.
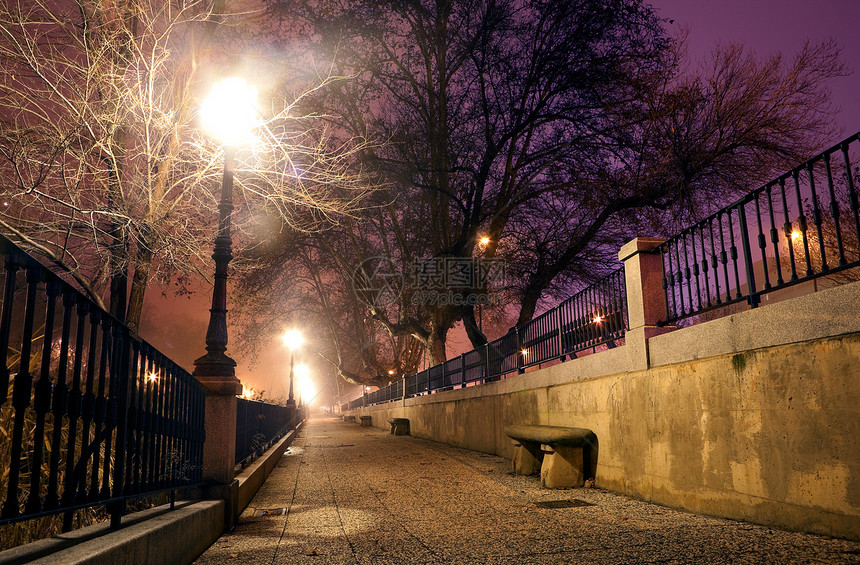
<point x="768" y="26"/>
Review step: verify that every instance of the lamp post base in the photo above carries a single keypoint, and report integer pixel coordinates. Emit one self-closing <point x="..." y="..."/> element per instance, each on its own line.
<point x="215" y="364"/>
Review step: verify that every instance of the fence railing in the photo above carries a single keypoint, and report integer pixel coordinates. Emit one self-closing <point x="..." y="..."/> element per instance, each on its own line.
<point x="802" y="225"/>
<point x="258" y="425"/>
<point x="92" y="414"/>
<point x="593" y="317"/>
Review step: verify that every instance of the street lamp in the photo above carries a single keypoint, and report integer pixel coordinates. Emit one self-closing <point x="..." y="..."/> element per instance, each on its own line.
<point x="303" y="378"/>
<point x="293" y="339"/>
<point x="229" y="114"/>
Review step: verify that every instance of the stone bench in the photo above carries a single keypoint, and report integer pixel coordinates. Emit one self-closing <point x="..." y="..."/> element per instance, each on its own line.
<point x="399" y="426"/>
<point x="348" y="418"/>
<point x="366" y="421"/>
<point x="564" y="456"/>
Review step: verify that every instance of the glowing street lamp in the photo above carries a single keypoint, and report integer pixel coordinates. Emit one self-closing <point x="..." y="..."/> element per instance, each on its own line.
<point x="304" y="384"/>
<point x="293" y="339"/>
<point x="229" y="114"/>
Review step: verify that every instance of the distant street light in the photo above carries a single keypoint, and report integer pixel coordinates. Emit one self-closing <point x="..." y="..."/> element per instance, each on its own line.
<point x="293" y="339"/>
<point x="229" y="114"/>
<point x="304" y="384"/>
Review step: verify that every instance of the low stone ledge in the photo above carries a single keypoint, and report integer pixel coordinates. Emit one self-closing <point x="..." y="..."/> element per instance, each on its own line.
<point x="158" y="536"/>
<point x="255" y="474"/>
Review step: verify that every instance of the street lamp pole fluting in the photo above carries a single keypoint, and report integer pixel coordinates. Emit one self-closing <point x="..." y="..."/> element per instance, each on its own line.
<point x="216" y="363"/>
<point x="291" y="401"/>
<point x="292" y="339"/>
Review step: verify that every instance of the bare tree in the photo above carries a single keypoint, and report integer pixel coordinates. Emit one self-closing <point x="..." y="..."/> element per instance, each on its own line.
<point x="555" y="129"/>
<point x="104" y="169"/>
<point x="688" y="145"/>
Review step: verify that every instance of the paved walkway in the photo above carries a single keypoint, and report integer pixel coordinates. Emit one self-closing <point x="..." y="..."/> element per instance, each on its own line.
<point x="347" y="494"/>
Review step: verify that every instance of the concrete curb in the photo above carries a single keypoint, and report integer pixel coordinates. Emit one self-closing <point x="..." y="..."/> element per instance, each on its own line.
<point x="155" y="536"/>
<point x="254" y="475"/>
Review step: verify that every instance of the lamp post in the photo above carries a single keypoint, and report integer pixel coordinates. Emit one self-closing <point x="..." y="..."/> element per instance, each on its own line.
<point x="293" y="339"/>
<point x="228" y="114"/>
<point x="303" y="376"/>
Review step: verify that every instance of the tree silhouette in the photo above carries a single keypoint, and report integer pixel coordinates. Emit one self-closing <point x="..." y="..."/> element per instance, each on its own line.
<point x="104" y="169"/>
<point x="555" y="129"/>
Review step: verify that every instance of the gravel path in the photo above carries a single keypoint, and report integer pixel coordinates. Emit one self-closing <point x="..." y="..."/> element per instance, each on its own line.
<point x="347" y="494"/>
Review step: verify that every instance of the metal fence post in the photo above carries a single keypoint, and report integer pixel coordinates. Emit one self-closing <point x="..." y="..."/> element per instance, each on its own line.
<point x="121" y="341"/>
<point x="520" y="352"/>
<point x="559" y="339"/>
<point x="752" y="297"/>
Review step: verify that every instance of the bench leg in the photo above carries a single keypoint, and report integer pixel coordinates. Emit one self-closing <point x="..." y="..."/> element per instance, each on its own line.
<point x="562" y="467"/>
<point x="527" y="459"/>
<point x="400" y="429"/>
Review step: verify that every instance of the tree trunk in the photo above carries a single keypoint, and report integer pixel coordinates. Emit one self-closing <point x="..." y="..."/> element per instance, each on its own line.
<point x="436" y="344"/>
<point x="139" y="282"/>
<point x="118" y="293"/>
<point x="476" y="336"/>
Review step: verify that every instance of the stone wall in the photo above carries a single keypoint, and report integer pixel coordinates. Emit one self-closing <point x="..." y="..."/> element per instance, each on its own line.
<point x="754" y="416"/>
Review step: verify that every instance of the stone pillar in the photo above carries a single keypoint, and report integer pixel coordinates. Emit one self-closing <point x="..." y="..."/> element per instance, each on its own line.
<point x="219" y="449"/>
<point x="216" y="371"/>
<point x="646" y="300"/>
<point x="291" y="415"/>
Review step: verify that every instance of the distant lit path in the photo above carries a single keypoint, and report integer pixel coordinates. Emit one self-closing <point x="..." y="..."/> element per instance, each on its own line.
<point x="359" y="495"/>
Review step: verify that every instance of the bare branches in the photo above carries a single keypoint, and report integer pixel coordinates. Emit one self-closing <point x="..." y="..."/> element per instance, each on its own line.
<point x="102" y="157"/>
<point x="557" y="129"/>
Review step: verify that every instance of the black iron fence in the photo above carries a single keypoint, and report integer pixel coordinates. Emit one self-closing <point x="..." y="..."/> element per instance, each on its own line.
<point x="91" y="414"/>
<point x="593" y="317"/>
<point x="259" y="425"/>
<point x="802" y="225"/>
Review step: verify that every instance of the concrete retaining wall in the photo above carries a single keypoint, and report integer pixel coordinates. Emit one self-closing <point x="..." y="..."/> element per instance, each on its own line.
<point x="755" y="416"/>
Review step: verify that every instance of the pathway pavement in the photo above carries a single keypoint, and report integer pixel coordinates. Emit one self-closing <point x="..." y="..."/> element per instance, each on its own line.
<point x="347" y="494"/>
